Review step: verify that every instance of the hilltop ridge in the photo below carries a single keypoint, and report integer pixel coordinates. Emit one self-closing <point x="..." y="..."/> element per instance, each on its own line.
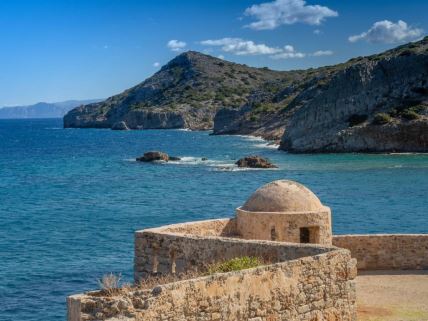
<point x="374" y="103"/>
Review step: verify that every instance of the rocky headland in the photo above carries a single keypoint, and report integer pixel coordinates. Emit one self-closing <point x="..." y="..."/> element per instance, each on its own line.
<point x="377" y="103"/>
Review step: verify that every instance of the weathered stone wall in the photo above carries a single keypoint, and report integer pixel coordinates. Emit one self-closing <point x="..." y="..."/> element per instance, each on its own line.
<point x="285" y="227"/>
<point x="386" y="251"/>
<point x="161" y="250"/>
<point x="308" y="289"/>
<point x="217" y="227"/>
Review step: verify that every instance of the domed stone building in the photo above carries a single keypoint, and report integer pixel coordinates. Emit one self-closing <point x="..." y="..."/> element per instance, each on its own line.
<point x="285" y="211"/>
<point x="308" y="273"/>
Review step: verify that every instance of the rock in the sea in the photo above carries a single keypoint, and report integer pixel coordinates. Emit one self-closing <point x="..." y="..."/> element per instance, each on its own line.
<point x="120" y="125"/>
<point x="174" y="158"/>
<point x="255" y="162"/>
<point x="204" y="159"/>
<point x="154" y="156"/>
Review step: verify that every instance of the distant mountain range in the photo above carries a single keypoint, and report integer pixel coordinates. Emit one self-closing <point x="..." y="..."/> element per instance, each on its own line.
<point x="43" y="110"/>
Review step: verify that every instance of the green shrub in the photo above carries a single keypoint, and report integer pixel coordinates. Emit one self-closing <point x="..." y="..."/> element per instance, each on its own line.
<point x="254" y="118"/>
<point x="419" y="109"/>
<point x="410" y="114"/>
<point x="406" y="53"/>
<point x="236" y="264"/>
<point x="356" y="119"/>
<point x="259" y="108"/>
<point x="381" y="119"/>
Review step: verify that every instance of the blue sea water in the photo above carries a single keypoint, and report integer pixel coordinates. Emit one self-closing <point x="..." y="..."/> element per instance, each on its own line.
<point x="70" y="200"/>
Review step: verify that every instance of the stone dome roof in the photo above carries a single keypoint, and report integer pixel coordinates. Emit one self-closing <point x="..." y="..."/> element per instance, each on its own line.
<point x="283" y="196"/>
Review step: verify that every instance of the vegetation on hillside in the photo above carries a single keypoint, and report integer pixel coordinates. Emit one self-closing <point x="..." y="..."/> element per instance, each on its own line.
<point x="197" y="86"/>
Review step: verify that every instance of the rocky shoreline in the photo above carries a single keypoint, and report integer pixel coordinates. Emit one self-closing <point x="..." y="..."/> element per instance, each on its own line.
<point x="368" y="104"/>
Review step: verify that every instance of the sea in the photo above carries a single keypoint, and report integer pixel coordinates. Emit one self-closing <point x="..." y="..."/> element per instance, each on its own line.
<point x="71" y="199"/>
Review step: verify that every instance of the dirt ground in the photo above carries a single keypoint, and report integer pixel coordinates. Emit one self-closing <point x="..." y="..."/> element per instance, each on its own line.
<point x="392" y="296"/>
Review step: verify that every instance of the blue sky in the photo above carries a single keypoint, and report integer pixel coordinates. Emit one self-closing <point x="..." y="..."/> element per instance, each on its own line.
<point x="59" y="50"/>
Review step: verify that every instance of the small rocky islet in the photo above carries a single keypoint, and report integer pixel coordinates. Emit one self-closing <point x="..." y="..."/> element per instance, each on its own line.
<point x="253" y="161"/>
<point x="154" y="156"/>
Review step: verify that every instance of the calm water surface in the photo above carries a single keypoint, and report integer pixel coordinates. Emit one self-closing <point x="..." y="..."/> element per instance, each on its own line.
<point x="70" y="200"/>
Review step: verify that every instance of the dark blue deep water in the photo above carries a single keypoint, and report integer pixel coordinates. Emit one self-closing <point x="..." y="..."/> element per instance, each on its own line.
<point x="71" y="199"/>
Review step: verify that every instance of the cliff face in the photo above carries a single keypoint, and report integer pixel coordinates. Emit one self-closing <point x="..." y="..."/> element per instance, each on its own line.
<point x="375" y="104"/>
<point x="343" y="115"/>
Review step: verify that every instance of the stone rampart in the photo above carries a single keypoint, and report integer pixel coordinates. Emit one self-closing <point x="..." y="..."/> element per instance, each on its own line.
<point x="175" y="249"/>
<point x="386" y="251"/>
<point x="320" y="287"/>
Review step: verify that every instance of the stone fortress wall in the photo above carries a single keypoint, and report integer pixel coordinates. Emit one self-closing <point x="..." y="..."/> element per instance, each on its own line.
<point x="175" y="249"/>
<point x="304" y="282"/>
<point x="386" y="251"/>
<point x="307" y="289"/>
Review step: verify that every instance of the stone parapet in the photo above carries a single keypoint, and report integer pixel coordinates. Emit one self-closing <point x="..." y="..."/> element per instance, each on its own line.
<point x="319" y="287"/>
<point x="386" y="251"/>
<point x="173" y="249"/>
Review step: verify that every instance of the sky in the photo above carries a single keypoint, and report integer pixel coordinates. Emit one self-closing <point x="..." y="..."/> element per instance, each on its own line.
<point x="53" y="50"/>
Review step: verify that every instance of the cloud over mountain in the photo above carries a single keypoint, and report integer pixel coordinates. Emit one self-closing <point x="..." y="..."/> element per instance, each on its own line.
<point x="176" y="45"/>
<point x="241" y="47"/>
<point x="388" y="32"/>
<point x="271" y="15"/>
<point x="288" y="52"/>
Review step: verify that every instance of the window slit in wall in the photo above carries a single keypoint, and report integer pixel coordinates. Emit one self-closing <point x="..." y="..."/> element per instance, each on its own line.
<point x="155" y="261"/>
<point x="173" y="264"/>
<point x="273" y="236"/>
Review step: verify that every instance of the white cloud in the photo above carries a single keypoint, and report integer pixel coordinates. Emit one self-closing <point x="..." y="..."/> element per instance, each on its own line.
<point x="317" y="32"/>
<point x="241" y="47"/>
<point x="176" y="45"/>
<point x="322" y="53"/>
<point x="156" y="64"/>
<point x="288" y="52"/>
<point x="271" y="15"/>
<point x="220" y="57"/>
<point x="388" y="32"/>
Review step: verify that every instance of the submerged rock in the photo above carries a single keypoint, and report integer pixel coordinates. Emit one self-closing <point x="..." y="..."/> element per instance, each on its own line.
<point x="255" y="162"/>
<point x="153" y="156"/>
<point x="174" y="158"/>
<point x="120" y="125"/>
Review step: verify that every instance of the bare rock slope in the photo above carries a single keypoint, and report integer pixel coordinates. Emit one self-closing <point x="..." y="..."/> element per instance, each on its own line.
<point x="377" y="104"/>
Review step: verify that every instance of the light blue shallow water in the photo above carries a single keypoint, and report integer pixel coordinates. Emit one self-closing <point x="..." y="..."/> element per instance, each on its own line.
<point x="71" y="199"/>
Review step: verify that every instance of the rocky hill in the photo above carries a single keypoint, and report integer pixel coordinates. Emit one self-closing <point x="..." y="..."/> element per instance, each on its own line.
<point x="185" y="93"/>
<point x="375" y="104"/>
